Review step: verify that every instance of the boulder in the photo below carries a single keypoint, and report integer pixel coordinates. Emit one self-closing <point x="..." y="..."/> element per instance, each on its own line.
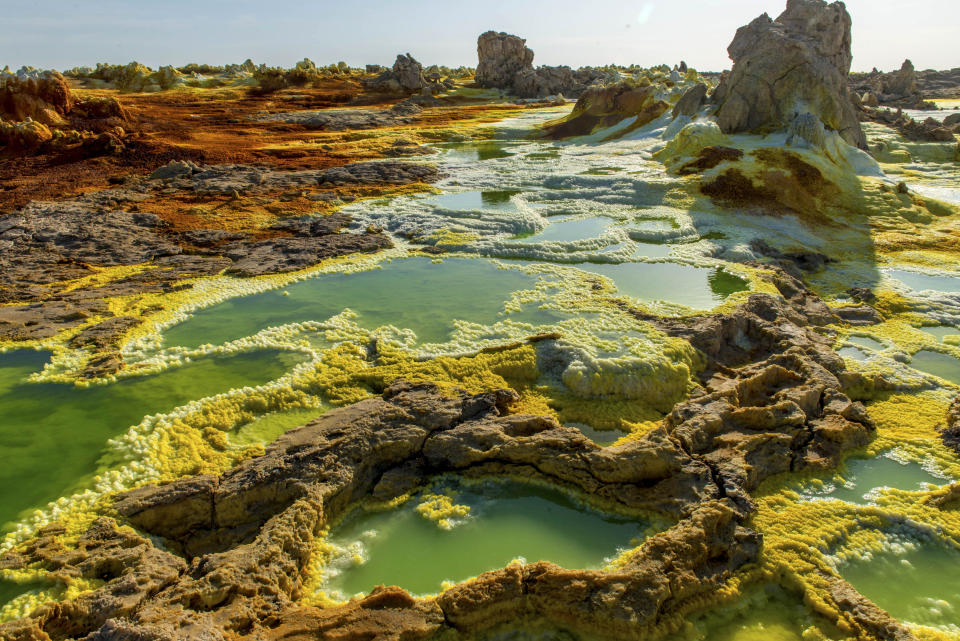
<point x="795" y="64"/>
<point x="691" y="100"/>
<point x="406" y="76"/>
<point x="501" y="57"/>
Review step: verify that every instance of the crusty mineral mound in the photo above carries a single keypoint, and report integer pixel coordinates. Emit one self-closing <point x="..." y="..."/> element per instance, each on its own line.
<point x="795" y="64"/>
<point x="601" y="107"/>
<point x="42" y="96"/>
<point x="501" y="57"/>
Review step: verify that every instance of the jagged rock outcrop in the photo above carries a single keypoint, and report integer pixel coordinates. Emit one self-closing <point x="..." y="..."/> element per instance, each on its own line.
<point x="505" y="62"/>
<point x="501" y="56"/>
<point x="795" y="64"/>
<point x="38" y="111"/>
<point x="407" y="77"/>
<point x="899" y="88"/>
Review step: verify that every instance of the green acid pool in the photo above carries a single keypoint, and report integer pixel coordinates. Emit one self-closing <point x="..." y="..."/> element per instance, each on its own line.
<point x="916" y="582"/>
<point x="473" y="200"/>
<point x="507" y="521"/>
<point x="942" y="365"/>
<point x="861" y="478"/>
<point x="53" y="434"/>
<point x="412" y="293"/>
<point x="696" y="287"/>
<point x="565" y="230"/>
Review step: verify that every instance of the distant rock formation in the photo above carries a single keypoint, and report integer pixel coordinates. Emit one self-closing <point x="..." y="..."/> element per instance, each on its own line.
<point x="505" y="62"/>
<point x="35" y="104"/>
<point x="43" y="96"/>
<point x="786" y="67"/>
<point x="895" y="89"/>
<point x="407" y="76"/>
<point x="501" y="57"/>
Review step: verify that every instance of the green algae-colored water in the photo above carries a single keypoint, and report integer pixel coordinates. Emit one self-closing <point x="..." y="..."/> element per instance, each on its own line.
<point x="863" y="477"/>
<point x="412" y="293"/>
<point x="915" y="582"/>
<point x="473" y="200"/>
<point x="866" y="341"/>
<point x="53" y="434"/>
<point x="696" y="287"/>
<point x="472" y="151"/>
<point x="568" y="230"/>
<point x="920" y="282"/>
<point x="865" y="347"/>
<point x="269" y="427"/>
<point x="507" y="521"/>
<point x="940" y="331"/>
<point x="942" y="365"/>
<point x="855" y="353"/>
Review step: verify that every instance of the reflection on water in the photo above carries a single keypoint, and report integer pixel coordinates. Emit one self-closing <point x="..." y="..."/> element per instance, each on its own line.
<point x="506" y="521"/>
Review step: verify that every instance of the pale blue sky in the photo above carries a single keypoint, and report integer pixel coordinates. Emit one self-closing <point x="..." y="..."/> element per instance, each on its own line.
<point x="66" y="33"/>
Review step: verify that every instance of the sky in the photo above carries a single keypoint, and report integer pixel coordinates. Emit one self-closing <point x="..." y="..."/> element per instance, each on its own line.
<point x="60" y="34"/>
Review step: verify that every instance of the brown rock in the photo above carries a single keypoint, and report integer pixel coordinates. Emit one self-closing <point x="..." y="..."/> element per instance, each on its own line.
<point x="501" y="56"/>
<point x="795" y="64"/>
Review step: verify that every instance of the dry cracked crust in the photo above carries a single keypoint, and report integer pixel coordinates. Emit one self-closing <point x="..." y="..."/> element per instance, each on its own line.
<point x="773" y="402"/>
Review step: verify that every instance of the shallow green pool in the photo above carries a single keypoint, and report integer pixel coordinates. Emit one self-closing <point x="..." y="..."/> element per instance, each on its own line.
<point x="920" y="282"/>
<point x="473" y="200"/>
<point x="52" y="434"/>
<point x="569" y="230"/>
<point x="696" y="287"/>
<point x="942" y="365"/>
<point x="507" y="521"/>
<point x="863" y="477"/>
<point x="940" y="331"/>
<point x="914" y="582"/>
<point x="483" y="150"/>
<point x="412" y="293"/>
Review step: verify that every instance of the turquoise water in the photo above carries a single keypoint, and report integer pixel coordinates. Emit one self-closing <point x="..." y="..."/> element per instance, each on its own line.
<point x="53" y="434"/>
<point x="942" y="365"/>
<point x="413" y="293"/>
<point x="920" y="282"/>
<point x="507" y="521"/>
<point x="696" y="287"/>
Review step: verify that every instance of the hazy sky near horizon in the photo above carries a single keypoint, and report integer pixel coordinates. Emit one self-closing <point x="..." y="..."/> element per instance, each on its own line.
<point x="65" y="33"/>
